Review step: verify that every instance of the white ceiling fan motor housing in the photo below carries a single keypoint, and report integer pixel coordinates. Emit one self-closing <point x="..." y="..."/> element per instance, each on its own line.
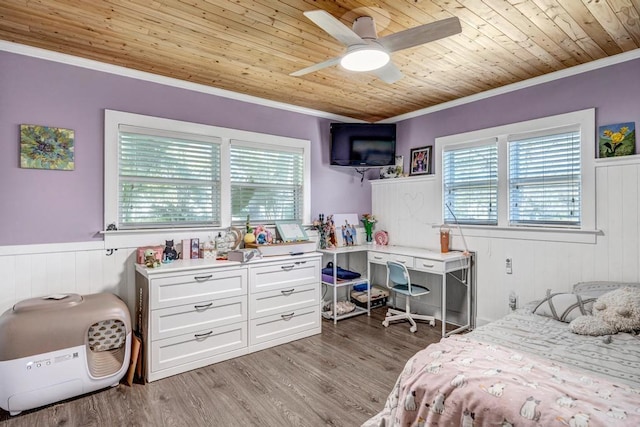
<point x="365" y="27"/>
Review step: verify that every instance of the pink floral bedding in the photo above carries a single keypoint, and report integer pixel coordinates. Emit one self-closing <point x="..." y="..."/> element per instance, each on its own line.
<point x="463" y="382"/>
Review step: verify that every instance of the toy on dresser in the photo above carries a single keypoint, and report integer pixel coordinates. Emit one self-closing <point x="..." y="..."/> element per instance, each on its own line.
<point x="170" y="252"/>
<point x="150" y="260"/>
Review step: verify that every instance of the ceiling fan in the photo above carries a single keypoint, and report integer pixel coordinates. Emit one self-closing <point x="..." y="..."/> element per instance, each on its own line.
<point x="366" y="52"/>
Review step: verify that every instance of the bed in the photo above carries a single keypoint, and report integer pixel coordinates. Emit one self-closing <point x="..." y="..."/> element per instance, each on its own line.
<point x="525" y="369"/>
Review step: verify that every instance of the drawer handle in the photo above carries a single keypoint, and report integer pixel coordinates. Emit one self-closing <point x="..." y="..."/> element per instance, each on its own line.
<point x="428" y="265"/>
<point x="287" y="316"/>
<point x="300" y="262"/>
<point x="203" y="306"/>
<point x="206" y="334"/>
<point x="287" y="267"/>
<point x="202" y="278"/>
<point x="377" y="257"/>
<point x="287" y="292"/>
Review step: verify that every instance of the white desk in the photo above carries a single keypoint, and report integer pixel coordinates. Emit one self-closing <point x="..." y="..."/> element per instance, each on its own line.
<point x="423" y="260"/>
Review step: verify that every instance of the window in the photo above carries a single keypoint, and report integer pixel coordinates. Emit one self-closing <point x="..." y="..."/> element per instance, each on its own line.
<point x="470" y="181"/>
<point x="537" y="175"/>
<point x="167" y="180"/>
<point x="544" y="179"/>
<point x="267" y="183"/>
<point x="162" y="173"/>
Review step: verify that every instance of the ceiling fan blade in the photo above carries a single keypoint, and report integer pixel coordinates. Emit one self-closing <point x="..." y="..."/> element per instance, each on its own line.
<point x="421" y="34"/>
<point x="316" y="67"/>
<point x="389" y="73"/>
<point x="334" y="27"/>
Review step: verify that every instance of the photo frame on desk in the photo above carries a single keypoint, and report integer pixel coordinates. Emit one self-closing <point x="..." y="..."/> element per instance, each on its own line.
<point x="291" y="231"/>
<point x="346" y="225"/>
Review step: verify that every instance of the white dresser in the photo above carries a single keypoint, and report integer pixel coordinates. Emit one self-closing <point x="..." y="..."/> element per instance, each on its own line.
<point x="191" y="313"/>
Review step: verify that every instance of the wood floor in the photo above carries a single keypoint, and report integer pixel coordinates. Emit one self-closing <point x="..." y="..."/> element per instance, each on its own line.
<point x="338" y="378"/>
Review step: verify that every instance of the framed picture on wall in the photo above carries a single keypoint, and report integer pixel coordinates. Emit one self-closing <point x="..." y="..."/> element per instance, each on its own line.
<point x="420" y="161"/>
<point x="617" y="139"/>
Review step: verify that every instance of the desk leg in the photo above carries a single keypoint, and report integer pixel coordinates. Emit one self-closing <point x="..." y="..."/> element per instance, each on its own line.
<point x="467" y="283"/>
<point x="444" y="304"/>
<point x="335" y="289"/>
<point x="368" y="296"/>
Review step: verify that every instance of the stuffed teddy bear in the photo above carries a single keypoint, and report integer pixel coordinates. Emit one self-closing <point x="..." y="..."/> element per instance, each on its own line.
<point x="150" y="260"/>
<point x="613" y="312"/>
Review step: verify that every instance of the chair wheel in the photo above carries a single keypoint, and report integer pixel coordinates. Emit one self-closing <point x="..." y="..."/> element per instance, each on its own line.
<point x="385" y="324"/>
<point x="413" y="328"/>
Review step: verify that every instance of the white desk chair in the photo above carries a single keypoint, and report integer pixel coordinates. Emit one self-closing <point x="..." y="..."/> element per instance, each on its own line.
<point x="399" y="282"/>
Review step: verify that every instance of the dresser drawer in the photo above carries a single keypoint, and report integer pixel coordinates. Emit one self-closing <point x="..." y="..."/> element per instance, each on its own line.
<point x="182" y="349"/>
<point x="201" y="285"/>
<point x="284" y="324"/>
<point x="428" y="265"/>
<point x="382" y="258"/>
<point x="281" y="300"/>
<point x="284" y="275"/>
<point x="188" y="318"/>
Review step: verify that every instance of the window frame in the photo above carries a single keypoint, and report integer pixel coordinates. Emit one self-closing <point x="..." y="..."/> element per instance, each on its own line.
<point x="512" y="143"/>
<point x="585" y="121"/>
<point x="291" y="149"/>
<point x="145" y="135"/>
<point x="491" y="142"/>
<point x="113" y="119"/>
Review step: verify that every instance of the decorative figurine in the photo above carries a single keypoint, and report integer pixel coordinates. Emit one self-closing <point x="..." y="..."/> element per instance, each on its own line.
<point x="170" y="252"/>
<point x="150" y="260"/>
<point x="263" y="235"/>
<point x="333" y="240"/>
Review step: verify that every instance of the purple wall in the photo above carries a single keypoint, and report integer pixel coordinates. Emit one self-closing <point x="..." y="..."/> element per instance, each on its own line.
<point x="42" y="206"/>
<point x="613" y="91"/>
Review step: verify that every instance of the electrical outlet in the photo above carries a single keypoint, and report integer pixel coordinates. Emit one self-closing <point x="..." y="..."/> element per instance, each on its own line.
<point x="513" y="300"/>
<point x="509" y="266"/>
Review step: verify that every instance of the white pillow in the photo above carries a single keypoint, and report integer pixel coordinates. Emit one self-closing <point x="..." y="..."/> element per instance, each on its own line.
<point x="564" y="306"/>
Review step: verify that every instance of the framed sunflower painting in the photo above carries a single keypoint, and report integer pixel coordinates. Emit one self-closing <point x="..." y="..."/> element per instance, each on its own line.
<point x="43" y="147"/>
<point x="617" y="140"/>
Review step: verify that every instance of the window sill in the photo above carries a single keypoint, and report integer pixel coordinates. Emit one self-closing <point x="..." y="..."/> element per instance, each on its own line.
<point x="136" y="238"/>
<point x="528" y="233"/>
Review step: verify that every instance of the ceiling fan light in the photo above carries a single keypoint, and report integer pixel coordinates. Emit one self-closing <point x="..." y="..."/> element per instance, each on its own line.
<point x="365" y="59"/>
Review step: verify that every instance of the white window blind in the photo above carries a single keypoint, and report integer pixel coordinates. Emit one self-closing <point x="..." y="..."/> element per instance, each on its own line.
<point x="167" y="179"/>
<point x="470" y="185"/>
<point x="544" y="179"/>
<point x="267" y="183"/>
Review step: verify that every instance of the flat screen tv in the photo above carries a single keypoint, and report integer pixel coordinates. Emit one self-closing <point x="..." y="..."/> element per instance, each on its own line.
<point x="363" y="144"/>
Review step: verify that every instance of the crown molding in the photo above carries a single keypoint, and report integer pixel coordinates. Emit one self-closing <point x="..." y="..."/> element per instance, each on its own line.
<point x="170" y="81"/>
<point x="556" y="75"/>
<point x="91" y="64"/>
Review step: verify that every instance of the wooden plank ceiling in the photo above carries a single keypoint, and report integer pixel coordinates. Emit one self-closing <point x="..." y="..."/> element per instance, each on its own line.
<point x="251" y="46"/>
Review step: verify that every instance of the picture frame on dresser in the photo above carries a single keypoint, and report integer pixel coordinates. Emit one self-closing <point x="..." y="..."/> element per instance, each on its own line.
<point x="290" y="231"/>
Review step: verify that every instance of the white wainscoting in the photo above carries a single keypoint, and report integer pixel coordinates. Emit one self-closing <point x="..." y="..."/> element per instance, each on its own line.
<point x="406" y="209"/>
<point x="39" y="270"/>
<point x="29" y="271"/>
